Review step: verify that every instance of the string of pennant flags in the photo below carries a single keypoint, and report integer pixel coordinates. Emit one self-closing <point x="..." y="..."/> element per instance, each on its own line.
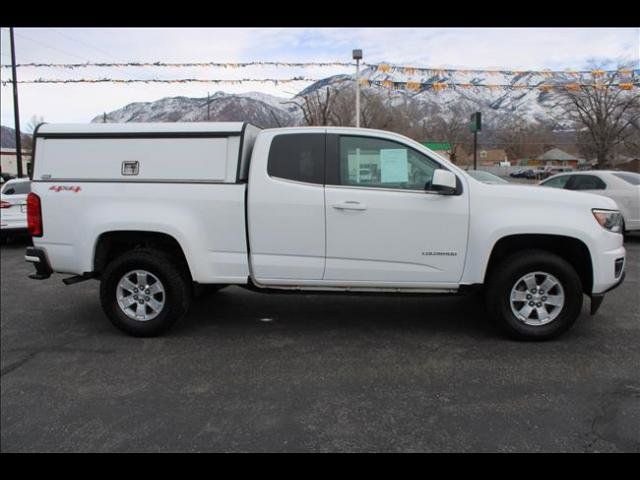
<point x="386" y="83"/>
<point x="238" y="81"/>
<point x="183" y="64"/>
<point x="596" y="73"/>
<point x="545" y="87"/>
<point x="379" y="67"/>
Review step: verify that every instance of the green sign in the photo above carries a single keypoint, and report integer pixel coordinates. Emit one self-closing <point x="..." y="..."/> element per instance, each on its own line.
<point x="442" y="146"/>
<point x="476" y="122"/>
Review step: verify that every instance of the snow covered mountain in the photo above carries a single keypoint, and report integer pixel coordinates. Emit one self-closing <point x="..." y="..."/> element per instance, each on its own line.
<point x="269" y="111"/>
<point x="256" y="108"/>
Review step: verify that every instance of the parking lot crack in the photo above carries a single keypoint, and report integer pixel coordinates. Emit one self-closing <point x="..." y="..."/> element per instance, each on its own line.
<point x="54" y="349"/>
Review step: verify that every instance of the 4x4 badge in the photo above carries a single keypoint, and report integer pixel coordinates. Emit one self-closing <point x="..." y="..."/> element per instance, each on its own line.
<point x="66" y="188"/>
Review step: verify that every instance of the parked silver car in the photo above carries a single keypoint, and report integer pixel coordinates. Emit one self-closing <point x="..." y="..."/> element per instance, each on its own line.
<point x="13" y="207"/>
<point x="622" y="187"/>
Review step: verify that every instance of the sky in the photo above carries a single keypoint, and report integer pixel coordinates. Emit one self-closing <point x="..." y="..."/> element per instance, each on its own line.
<point x="465" y="48"/>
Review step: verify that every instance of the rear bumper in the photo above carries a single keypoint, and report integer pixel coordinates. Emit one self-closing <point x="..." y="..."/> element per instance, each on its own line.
<point x="632" y="225"/>
<point x="38" y="257"/>
<point x="13" y="222"/>
<point x="8" y="231"/>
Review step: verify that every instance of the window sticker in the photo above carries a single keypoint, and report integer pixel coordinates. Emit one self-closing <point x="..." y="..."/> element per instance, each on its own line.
<point x="394" y="165"/>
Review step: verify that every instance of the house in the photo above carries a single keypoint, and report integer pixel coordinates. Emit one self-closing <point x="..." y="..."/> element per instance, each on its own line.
<point x="488" y="157"/>
<point x="628" y="164"/>
<point x="9" y="161"/>
<point x="558" y="158"/>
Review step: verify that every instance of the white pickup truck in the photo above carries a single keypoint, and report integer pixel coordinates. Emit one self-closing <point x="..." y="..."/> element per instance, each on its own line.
<point x="154" y="211"/>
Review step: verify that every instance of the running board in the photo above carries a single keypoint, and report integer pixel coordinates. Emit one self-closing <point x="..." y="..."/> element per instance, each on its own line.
<point x="77" y="278"/>
<point x="256" y="286"/>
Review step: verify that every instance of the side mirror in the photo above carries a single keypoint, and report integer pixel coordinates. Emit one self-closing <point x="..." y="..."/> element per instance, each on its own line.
<point x="443" y="181"/>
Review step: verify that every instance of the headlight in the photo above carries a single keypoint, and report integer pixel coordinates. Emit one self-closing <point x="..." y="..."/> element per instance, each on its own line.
<point x="609" y="219"/>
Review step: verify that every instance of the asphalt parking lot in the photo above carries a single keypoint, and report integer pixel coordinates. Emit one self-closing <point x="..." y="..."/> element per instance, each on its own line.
<point x="328" y="373"/>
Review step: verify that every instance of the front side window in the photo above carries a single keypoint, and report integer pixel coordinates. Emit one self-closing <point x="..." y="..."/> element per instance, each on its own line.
<point x="297" y="156"/>
<point x="378" y="163"/>
<point x="586" y="182"/>
<point x="557" y="182"/>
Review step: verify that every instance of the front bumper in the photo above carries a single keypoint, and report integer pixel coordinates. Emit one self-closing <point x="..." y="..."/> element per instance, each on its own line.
<point x="38" y="257"/>
<point x="597" y="298"/>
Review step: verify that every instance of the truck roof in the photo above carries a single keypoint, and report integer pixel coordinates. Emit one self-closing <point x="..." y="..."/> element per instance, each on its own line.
<point x="132" y="128"/>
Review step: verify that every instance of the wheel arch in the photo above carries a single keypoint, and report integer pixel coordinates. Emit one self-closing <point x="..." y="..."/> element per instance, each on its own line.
<point x="111" y="244"/>
<point x="572" y="249"/>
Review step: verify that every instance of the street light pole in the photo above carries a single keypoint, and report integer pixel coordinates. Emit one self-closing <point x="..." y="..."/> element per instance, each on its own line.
<point x="16" y="113"/>
<point x="357" y="56"/>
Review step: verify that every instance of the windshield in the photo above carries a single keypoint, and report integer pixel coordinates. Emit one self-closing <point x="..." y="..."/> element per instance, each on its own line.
<point x="629" y="177"/>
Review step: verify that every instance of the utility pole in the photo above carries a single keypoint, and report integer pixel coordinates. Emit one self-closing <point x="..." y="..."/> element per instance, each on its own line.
<point x="475" y="150"/>
<point x="357" y="56"/>
<point x="476" y="126"/>
<point x="104" y="117"/>
<point x="16" y="112"/>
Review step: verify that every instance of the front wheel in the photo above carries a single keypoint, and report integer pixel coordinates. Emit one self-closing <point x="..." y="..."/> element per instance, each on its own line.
<point x="534" y="295"/>
<point x="143" y="292"/>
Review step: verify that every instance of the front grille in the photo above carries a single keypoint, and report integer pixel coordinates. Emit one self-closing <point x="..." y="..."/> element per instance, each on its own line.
<point x="619" y="265"/>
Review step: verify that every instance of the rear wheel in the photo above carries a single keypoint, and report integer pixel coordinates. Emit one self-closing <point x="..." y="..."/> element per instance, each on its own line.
<point x="143" y="292"/>
<point x="534" y="295"/>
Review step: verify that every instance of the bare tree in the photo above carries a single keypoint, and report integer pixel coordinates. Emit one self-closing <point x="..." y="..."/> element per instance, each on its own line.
<point x="605" y="113"/>
<point x="315" y="106"/>
<point x="27" y="139"/>
<point x="453" y="128"/>
<point x="521" y="138"/>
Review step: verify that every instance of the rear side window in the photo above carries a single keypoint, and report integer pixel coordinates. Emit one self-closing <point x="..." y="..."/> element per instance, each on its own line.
<point x="557" y="182"/>
<point x="298" y="156"/>
<point x="586" y="182"/>
<point x="629" y="177"/>
<point x="18" y="188"/>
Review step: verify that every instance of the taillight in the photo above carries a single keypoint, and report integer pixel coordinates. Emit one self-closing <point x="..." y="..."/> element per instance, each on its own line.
<point x="4" y="204"/>
<point x="34" y="215"/>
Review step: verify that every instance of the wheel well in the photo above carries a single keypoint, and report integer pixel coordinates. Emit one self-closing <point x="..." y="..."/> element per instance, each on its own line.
<point x="110" y="245"/>
<point x="571" y="249"/>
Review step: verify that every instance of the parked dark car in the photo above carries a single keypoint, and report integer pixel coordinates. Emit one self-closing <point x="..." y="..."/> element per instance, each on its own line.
<point x="519" y="173"/>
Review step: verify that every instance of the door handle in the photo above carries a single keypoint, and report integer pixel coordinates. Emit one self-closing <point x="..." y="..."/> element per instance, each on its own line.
<point x="349" y="205"/>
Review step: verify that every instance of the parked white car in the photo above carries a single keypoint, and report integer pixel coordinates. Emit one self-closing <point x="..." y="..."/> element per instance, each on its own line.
<point x="286" y="209"/>
<point x="622" y="187"/>
<point x="13" y="207"/>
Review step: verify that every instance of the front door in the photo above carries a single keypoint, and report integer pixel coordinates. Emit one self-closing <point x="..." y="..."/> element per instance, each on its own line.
<point x="383" y="228"/>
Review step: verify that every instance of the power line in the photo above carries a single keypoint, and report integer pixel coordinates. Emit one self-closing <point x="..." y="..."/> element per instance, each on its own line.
<point x="47" y="46"/>
<point x="100" y="50"/>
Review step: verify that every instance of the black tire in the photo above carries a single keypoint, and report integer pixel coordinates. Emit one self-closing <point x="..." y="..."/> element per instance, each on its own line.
<point x="174" y="279"/>
<point x="506" y="274"/>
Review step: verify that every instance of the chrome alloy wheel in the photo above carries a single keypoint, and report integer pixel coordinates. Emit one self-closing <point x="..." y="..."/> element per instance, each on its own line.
<point x="140" y="295"/>
<point x="537" y="298"/>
